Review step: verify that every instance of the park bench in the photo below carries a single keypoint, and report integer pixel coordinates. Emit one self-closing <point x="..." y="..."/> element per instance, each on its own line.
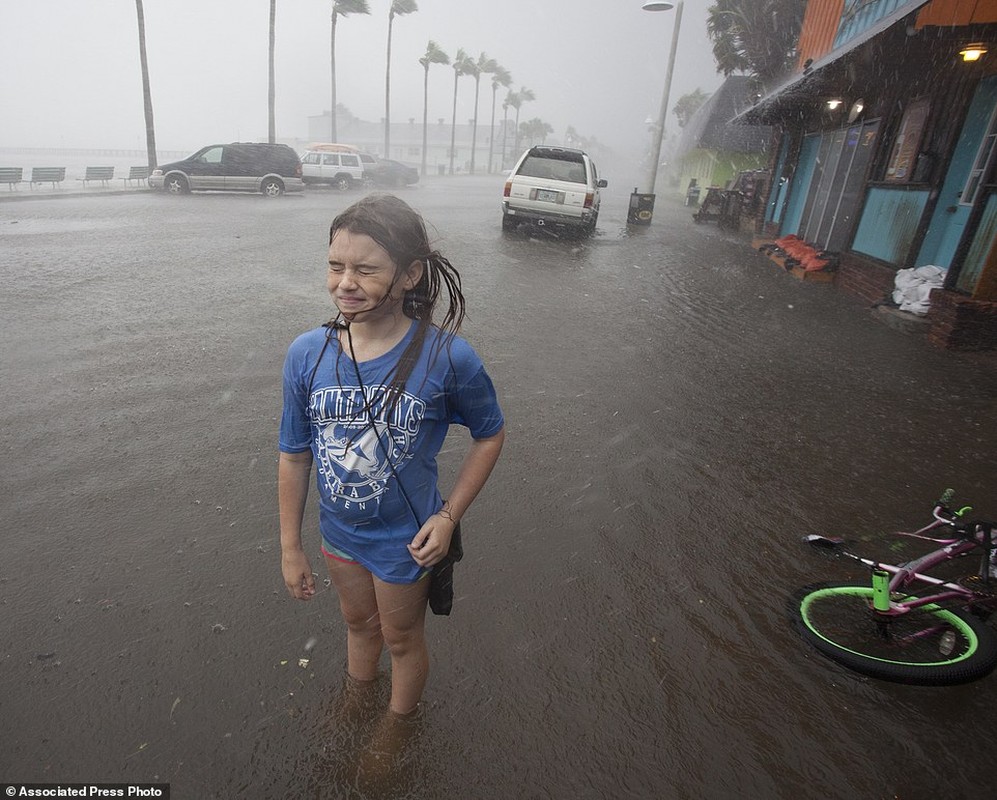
<point x="51" y="175"/>
<point x="102" y="174"/>
<point x="136" y="174"/>
<point x="11" y="176"/>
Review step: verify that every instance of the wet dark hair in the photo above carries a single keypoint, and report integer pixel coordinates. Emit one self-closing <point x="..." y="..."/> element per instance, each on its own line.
<point x="401" y="232"/>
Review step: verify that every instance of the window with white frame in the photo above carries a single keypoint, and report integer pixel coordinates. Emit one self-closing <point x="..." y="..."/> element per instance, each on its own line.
<point x="981" y="164"/>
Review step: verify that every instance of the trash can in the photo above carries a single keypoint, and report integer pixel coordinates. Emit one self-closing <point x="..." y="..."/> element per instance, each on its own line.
<point x="641" y="208"/>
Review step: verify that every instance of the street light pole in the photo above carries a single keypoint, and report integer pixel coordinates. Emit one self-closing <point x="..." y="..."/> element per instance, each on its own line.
<point x="656" y="5"/>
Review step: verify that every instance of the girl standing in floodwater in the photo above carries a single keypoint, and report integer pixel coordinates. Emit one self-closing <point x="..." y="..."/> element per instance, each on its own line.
<point x="369" y="397"/>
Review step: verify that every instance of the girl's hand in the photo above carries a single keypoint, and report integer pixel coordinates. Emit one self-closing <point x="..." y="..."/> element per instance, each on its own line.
<point x="297" y="574"/>
<point x="432" y="542"/>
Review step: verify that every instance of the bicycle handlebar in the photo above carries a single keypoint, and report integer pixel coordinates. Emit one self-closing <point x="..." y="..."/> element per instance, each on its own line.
<point x="947" y="516"/>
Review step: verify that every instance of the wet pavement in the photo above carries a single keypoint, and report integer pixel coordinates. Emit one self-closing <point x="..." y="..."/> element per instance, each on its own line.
<point x="679" y="413"/>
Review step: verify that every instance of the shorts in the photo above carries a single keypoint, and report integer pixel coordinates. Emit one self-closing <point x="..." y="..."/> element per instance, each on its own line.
<point x="338" y="555"/>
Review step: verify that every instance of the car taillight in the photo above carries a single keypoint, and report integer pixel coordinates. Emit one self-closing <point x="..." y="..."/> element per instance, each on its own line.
<point x="297" y="170"/>
<point x="589" y="197"/>
<point x="508" y="189"/>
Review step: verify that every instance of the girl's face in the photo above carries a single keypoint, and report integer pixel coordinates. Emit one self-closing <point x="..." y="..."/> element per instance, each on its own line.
<point x="363" y="280"/>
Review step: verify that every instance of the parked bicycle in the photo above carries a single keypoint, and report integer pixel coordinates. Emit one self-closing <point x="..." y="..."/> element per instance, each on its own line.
<point x="905" y="624"/>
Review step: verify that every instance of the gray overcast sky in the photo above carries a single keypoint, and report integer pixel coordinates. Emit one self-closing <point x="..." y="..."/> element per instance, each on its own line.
<point x="70" y="72"/>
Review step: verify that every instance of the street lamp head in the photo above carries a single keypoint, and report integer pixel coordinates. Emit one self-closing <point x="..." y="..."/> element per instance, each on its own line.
<point x="658" y="5"/>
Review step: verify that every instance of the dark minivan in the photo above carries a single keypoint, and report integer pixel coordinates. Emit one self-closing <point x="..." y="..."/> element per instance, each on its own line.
<point x="270" y="169"/>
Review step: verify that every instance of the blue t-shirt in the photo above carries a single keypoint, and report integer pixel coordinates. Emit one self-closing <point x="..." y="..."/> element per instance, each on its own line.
<point x="360" y="461"/>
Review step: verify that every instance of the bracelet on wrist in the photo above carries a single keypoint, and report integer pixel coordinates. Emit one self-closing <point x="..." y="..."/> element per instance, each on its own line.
<point x="445" y="512"/>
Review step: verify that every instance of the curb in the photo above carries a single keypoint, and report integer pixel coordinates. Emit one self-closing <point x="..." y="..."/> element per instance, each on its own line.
<point x="58" y="193"/>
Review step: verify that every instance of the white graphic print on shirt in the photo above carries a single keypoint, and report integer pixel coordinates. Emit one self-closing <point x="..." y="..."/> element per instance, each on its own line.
<point x="353" y="453"/>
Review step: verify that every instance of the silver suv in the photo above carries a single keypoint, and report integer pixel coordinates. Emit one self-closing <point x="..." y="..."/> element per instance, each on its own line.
<point x="555" y="186"/>
<point x="341" y="169"/>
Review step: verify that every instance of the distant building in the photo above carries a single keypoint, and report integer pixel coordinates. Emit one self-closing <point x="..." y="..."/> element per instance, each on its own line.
<point x="406" y="141"/>
<point x="714" y="151"/>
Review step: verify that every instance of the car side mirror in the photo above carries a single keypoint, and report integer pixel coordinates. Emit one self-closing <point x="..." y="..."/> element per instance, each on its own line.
<point x="602" y="184"/>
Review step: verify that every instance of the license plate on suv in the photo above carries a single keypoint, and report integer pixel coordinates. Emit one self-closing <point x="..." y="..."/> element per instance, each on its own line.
<point x="549" y="196"/>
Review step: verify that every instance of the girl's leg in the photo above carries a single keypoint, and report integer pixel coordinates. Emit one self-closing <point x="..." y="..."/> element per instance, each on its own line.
<point x="358" y="602"/>
<point x="402" y="611"/>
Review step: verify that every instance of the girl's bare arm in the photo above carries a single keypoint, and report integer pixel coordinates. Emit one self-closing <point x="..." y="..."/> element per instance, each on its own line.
<point x="293" y="471"/>
<point x="432" y="541"/>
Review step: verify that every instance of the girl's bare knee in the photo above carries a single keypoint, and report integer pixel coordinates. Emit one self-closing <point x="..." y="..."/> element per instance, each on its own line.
<point x="361" y="624"/>
<point x="400" y="642"/>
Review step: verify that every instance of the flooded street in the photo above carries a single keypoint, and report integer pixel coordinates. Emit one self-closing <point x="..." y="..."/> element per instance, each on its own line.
<point x="679" y="413"/>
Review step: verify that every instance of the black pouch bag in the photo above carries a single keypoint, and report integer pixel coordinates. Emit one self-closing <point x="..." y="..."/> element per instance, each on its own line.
<point x="441" y="577"/>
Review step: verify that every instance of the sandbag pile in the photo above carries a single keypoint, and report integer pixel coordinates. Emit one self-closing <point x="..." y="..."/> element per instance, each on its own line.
<point x="912" y="287"/>
<point x="797" y="253"/>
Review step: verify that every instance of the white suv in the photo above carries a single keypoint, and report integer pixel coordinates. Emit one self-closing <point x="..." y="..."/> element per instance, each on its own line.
<point x="554" y="186"/>
<point x="342" y="169"/>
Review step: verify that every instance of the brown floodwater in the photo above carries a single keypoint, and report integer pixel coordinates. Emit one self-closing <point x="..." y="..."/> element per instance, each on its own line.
<point x="679" y="413"/>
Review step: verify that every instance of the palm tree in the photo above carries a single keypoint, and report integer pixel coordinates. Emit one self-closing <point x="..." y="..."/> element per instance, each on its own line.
<point x="341" y="8"/>
<point x="757" y="37"/>
<point x="434" y="55"/>
<point x="516" y="100"/>
<point x="483" y="64"/>
<point x="398" y="8"/>
<point x="150" y="128"/>
<point x="462" y="65"/>
<point x="536" y="129"/>
<point x="500" y="77"/>
<point x="509" y="98"/>
<point x="524" y="95"/>
<point x="688" y="105"/>
<point x="271" y="93"/>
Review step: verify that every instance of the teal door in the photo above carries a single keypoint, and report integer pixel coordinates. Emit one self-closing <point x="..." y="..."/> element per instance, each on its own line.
<point x="983" y="239"/>
<point x="960" y="191"/>
<point x="777" y="196"/>
<point x="800" y="188"/>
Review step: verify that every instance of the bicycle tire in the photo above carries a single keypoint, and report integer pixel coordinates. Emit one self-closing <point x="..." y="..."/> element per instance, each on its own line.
<point x="836" y="618"/>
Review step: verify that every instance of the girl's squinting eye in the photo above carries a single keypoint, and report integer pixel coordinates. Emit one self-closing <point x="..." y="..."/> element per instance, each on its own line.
<point x="336" y="268"/>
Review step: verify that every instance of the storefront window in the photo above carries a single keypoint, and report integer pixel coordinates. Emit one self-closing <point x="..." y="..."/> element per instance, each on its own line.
<point x="981" y="164"/>
<point x="903" y="158"/>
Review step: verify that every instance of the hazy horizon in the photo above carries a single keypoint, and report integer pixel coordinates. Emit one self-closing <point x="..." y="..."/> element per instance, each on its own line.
<point x="72" y="75"/>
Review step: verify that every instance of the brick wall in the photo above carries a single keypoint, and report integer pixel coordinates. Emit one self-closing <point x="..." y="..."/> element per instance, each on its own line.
<point x="865" y="279"/>
<point x="960" y="323"/>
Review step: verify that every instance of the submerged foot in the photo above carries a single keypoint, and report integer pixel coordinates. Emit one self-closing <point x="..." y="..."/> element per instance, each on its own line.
<point x="358" y="703"/>
<point x="382" y="764"/>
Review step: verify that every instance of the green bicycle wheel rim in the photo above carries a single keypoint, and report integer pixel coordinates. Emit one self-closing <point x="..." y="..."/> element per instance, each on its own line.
<point x="862" y="591"/>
